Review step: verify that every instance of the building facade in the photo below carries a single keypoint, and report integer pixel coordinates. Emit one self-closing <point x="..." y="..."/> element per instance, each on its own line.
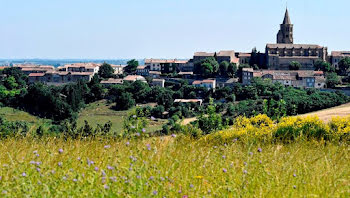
<point x="336" y="57"/>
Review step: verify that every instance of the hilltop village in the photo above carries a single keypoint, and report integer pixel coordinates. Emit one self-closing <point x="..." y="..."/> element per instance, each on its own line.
<point x="296" y="65"/>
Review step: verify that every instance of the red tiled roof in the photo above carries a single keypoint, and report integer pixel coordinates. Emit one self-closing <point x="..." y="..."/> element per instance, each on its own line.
<point x="36" y="74"/>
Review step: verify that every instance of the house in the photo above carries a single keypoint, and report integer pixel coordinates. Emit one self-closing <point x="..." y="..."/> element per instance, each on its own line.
<point x="186" y="75"/>
<point x="28" y="69"/>
<point x="207" y="83"/>
<point x="154" y="74"/>
<point x="112" y="81"/>
<point x="83" y="67"/>
<point x="158" y="82"/>
<point x="59" y="77"/>
<point x="244" y="58"/>
<point x="142" y="70"/>
<point x="296" y="78"/>
<point x="133" y="78"/>
<point x="221" y="56"/>
<point x="336" y="57"/>
<point x="198" y="101"/>
<point x="118" y="69"/>
<point x="165" y="65"/>
<point x="226" y="82"/>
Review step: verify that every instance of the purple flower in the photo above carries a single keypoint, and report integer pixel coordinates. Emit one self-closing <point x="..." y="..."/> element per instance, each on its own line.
<point x="60" y="150"/>
<point x="78" y="158"/>
<point x="209" y="191"/>
<point x="294" y="175"/>
<point x="138" y="134"/>
<point x="180" y="191"/>
<point x="96" y="168"/>
<point x="245" y="171"/>
<point x="138" y="177"/>
<point x="185" y="196"/>
<point x="144" y="130"/>
<point x="162" y="178"/>
<point x="103" y="173"/>
<point x="64" y="178"/>
<point x="294" y="186"/>
<point x="24" y="174"/>
<point x="35" y="152"/>
<point x="107" y="146"/>
<point x="38" y="169"/>
<point x="37" y="155"/>
<point x="32" y="162"/>
<point x="151" y="178"/>
<point x="110" y="167"/>
<point x="259" y="150"/>
<point x="155" y="192"/>
<point x="191" y="185"/>
<point x="106" y="186"/>
<point x="53" y="172"/>
<point x="245" y="163"/>
<point x="224" y="170"/>
<point x="113" y="179"/>
<point x="127" y="143"/>
<point x="75" y="180"/>
<point x="153" y="118"/>
<point x="223" y="157"/>
<point x="134" y="116"/>
<point x="260" y="162"/>
<point x="250" y="153"/>
<point x="133" y="127"/>
<point x="173" y="135"/>
<point x="59" y="163"/>
<point x="234" y="140"/>
<point x="38" y="163"/>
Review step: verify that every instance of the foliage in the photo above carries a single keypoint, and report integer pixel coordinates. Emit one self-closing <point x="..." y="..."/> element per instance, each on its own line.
<point x="106" y="71"/>
<point x="332" y="79"/>
<point x="124" y="101"/>
<point x="211" y="121"/>
<point x="324" y="66"/>
<point x="294" y="65"/>
<point x="135" y="125"/>
<point x="131" y="66"/>
<point x="344" y="65"/>
<point x="207" y="67"/>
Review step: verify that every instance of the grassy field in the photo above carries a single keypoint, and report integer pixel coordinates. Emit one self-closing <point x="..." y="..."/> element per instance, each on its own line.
<point x="172" y="167"/>
<point x="327" y="114"/>
<point x="100" y="112"/>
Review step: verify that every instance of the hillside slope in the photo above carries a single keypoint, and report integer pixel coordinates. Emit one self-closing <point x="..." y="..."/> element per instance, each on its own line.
<point x="327" y="114"/>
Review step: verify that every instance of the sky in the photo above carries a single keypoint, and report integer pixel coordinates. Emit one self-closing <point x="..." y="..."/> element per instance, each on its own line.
<point x="114" y="29"/>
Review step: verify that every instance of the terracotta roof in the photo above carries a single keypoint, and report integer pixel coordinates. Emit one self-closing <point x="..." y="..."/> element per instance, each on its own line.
<point x="243" y="55"/>
<point x="141" y="67"/>
<point x="134" y="78"/>
<point x="36" y="74"/>
<point x="203" y="54"/>
<point x="340" y="53"/>
<point x="197" y="82"/>
<point x="226" y="53"/>
<point x="1" y="68"/>
<point x="147" y="61"/>
<point x="112" y="81"/>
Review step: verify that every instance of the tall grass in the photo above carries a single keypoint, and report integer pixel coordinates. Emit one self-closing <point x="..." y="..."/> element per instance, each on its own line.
<point x="172" y="167"/>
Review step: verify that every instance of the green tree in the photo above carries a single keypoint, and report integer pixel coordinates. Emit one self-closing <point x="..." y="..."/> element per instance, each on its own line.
<point x="332" y="79"/>
<point x="131" y="67"/>
<point x="232" y="70"/>
<point x="106" y="71"/>
<point x="207" y="67"/>
<point x="224" y="68"/>
<point x="321" y="65"/>
<point x="125" y="101"/>
<point x="294" y="65"/>
<point x="212" y="121"/>
<point x="344" y="65"/>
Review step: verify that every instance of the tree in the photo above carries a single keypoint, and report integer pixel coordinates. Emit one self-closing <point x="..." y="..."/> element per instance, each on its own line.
<point x="321" y="65"/>
<point x="344" y="65"/>
<point x="224" y="68"/>
<point x="294" y="65"/>
<point x="232" y="70"/>
<point x="212" y="121"/>
<point x="332" y="79"/>
<point x="124" y="101"/>
<point x="206" y="67"/>
<point x="106" y="71"/>
<point x="131" y="67"/>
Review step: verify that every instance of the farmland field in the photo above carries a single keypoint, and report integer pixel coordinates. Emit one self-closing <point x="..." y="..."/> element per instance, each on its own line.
<point x="172" y="167"/>
<point x="327" y="114"/>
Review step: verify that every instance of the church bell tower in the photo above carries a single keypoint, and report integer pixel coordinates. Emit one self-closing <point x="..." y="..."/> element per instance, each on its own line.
<point x="285" y="34"/>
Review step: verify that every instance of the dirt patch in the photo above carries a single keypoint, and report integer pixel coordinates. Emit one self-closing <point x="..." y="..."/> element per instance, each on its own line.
<point x="327" y="114"/>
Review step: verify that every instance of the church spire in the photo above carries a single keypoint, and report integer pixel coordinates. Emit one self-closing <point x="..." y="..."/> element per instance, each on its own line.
<point x="286" y="18"/>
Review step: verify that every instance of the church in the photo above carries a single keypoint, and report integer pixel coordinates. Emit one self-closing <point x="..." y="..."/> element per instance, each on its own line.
<point x="280" y="55"/>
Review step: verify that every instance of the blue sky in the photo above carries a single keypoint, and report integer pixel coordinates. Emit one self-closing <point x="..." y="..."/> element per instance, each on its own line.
<point x="110" y="29"/>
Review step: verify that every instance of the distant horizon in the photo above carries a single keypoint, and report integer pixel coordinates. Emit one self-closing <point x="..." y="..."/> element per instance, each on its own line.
<point x="115" y="30"/>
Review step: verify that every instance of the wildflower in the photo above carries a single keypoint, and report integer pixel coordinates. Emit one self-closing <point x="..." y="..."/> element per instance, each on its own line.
<point x="153" y="118"/>
<point x="134" y="116"/>
<point x="191" y="185"/>
<point x="130" y="169"/>
<point x="162" y="178"/>
<point x="185" y="196"/>
<point x="106" y="186"/>
<point x="260" y="162"/>
<point x="245" y="163"/>
<point x="35" y="152"/>
<point x="38" y="163"/>
<point x="75" y="180"/>
<point x="4" y="192"/>
<point x="259" y="150"/>
<point x="113" y="179"/>
<point x="155" y="192"/>
<point x="179" y="191"/>
<point x="250" y="153"/>
<point x="37" y="155"/>
<point x="224" y="170"/>
<point x="24" y="174"/>
<point x="103" y="173"/>
<point x="53" y="172"/>
<point x="138" y="134"/>
<point x="38" y="169"/>
<point x="60" y="150"/>
<point x="127" y="143"/>
<point x="209" y="191"/>
<point x="245" y="171"/>
<point x="96" y="168"/>
<point x="223" y="157"/>
<point x="32" y="162"/>
<point x="234" y="140"/>
<point x="151" y="178"/>
<point x="107" y="146"/>
<point x="294" y="186"/>
<point x="59" y="163"/>
<point x="110" y="167"/>
<point x="64" y="178"/>
<point x="144" y="130"/>
<point x="133" y="127"/>
<point x="79" y="159"/>
<point x="294" y="175"/>
<point x="173" y="135"/>
<point x="138" y="177"/>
